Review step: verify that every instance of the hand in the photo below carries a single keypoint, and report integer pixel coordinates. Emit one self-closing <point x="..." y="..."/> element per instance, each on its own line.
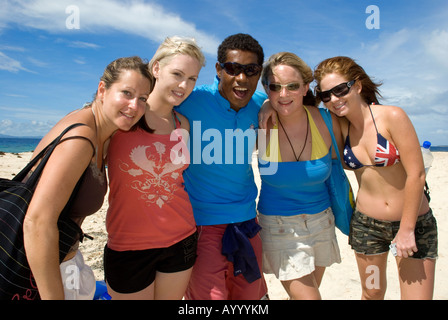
<point x="405" y="242"/>
<point x="266" y="112"/>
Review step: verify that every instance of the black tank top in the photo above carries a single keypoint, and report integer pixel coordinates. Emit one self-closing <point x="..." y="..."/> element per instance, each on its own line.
<point x="90" y="191"/>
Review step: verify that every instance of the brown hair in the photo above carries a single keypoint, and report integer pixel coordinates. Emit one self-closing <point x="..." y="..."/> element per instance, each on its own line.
<point x="113" y="72"/>
<point x="348" y="68"/>
<point x="115" y="68"/>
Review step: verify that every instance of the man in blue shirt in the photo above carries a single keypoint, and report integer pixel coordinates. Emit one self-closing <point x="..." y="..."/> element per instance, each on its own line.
<point x="220" y="182"/>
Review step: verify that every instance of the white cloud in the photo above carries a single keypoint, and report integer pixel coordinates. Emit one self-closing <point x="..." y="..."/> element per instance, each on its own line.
<point x="81" y="44"/>
<point x="30" y="114"/>
<point x="12" y="48"/>
<point x="147" y="20"/>
<point x="80" y="61"/>
<point x="5" y="123"/>
<point x="37" y="63"/>
<point x="25" y="128"/>
<point x="27" y="121"/>
<point x="10" y="64"/>
<point x="437" y="46"/>
<point x="412" y="64"/>
<point x="12" y="95"/>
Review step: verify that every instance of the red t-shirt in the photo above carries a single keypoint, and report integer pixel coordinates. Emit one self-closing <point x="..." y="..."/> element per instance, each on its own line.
<point x="148" y="205"/>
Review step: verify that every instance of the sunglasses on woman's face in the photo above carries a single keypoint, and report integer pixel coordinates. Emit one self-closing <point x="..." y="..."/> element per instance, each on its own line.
<point x="234" y="69"/>
<point x="293" y="86"/>
<point x="339" y="91"/>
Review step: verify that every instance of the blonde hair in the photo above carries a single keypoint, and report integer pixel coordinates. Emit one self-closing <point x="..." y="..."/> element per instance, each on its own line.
<point x="173" y="46"/>
<point x="287" y="59"/>
<point x="292" y="60"/>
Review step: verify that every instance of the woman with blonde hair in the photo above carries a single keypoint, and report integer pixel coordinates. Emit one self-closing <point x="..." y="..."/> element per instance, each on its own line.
<point x="152" y="237"/>
<point x="298" y="229"/>
<point x="382" y="147"/>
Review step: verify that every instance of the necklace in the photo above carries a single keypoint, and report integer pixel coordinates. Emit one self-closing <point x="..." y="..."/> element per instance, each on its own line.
<point x="306" y="137"/>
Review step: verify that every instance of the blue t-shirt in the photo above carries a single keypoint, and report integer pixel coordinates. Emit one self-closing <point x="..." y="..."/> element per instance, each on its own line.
<point x="296" y="188"/>
<point x="220" y="180"/>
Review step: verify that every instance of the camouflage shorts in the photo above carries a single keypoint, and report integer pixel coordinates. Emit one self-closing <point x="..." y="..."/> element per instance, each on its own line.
<point x="371" y="236"/>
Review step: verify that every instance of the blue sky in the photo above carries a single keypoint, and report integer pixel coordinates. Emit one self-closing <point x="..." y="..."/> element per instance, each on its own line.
<point x="50" y="64"/>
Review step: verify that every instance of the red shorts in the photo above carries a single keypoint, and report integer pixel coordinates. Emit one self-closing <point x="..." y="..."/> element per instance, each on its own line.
<point x="213" y="278"/>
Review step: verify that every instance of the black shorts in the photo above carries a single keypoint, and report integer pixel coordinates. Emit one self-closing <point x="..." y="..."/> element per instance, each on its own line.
<point x="133" y="271"/>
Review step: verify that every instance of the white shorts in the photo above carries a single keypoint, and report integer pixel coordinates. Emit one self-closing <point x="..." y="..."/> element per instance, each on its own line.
<point x="294" y="245"/>
<point x="78" y="279"/>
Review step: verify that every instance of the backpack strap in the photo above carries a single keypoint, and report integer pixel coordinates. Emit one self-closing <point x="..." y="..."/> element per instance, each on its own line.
<point x="328" y="121"/>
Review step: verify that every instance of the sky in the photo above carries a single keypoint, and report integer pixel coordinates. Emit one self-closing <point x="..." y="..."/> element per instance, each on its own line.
<point x="52" y="53"/>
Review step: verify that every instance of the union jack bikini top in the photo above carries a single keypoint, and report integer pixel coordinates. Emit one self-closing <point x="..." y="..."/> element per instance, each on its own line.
<point x="386" y="154"/>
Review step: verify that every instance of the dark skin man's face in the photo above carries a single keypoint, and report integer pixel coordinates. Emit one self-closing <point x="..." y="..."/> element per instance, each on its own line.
<point x="238" y="90"/>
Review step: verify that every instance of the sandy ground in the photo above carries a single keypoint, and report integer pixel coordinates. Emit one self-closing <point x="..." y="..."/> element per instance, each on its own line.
<point x="341" y="281"/>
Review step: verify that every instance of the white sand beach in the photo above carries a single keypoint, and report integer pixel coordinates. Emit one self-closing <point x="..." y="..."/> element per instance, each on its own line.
<point x="341" y="281"/>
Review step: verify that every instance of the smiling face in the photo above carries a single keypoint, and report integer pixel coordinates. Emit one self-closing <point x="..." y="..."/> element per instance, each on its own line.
<point x="286" y="101"/>
<point x="238" y="90"/>
<point x="340" y="106"/>
<point x="124" y="102"/>
<point x="176" y="79"/>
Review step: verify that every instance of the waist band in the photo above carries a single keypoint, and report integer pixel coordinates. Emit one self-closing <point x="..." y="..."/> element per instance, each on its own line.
<point x="367" y="219"/>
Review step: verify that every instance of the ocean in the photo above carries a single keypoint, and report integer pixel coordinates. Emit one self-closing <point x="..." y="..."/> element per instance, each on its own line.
<point x="17" y="145"/>
<point x="439" y="148"/>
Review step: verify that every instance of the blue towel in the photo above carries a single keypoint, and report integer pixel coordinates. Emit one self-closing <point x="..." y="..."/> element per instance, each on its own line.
<point x="238" y="249"/>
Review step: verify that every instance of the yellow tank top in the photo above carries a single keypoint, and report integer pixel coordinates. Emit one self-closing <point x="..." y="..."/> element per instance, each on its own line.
<point x="318" y="146"/>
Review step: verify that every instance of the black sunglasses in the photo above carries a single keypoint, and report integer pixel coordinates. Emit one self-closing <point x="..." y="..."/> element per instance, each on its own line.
<point x="293" y="86"/>
<point x="339" y="91"/>
<point x="234" y="69"/>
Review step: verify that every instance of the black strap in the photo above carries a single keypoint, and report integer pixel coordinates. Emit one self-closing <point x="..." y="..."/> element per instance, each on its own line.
<point x="426" y="191"/>
<point x="45" y="155"/>
<point x="80" y="137"/>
